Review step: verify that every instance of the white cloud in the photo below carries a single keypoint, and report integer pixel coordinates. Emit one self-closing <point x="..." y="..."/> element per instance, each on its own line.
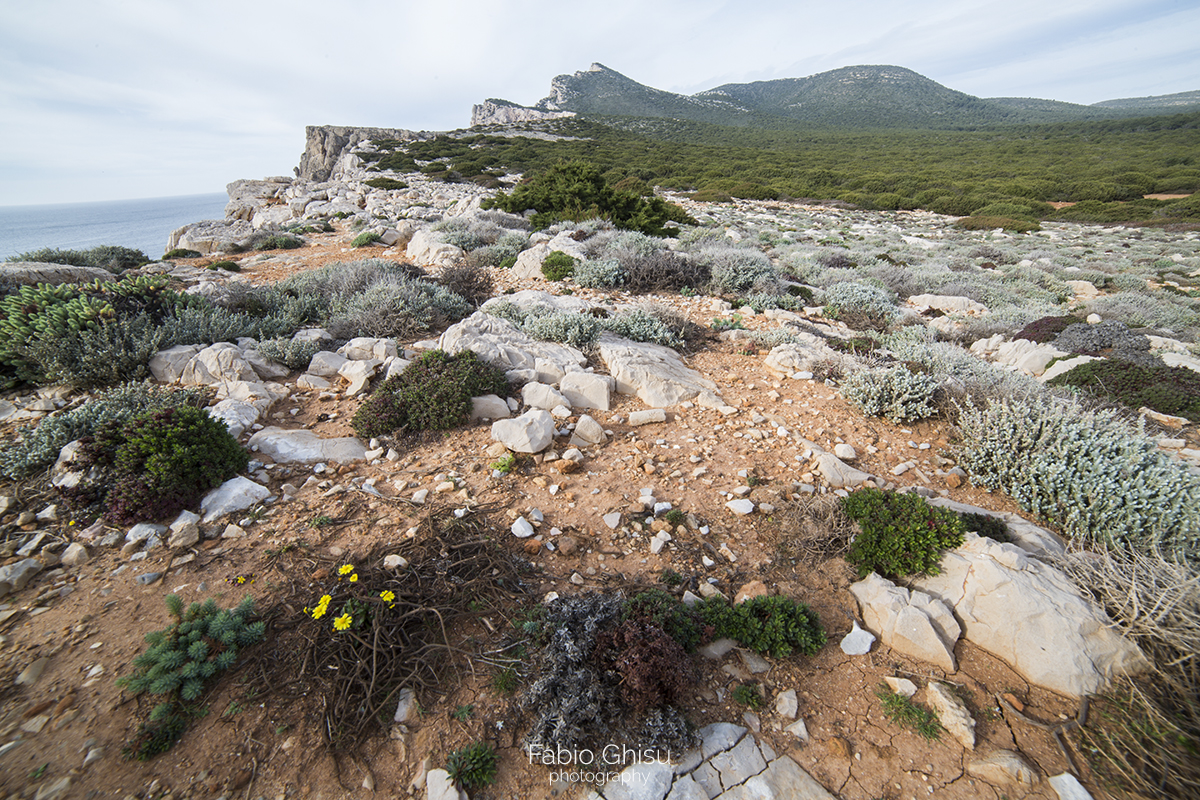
<point x="106" y="99"/>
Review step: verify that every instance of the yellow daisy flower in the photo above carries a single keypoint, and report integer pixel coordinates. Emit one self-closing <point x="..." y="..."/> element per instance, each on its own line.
<point x="343" y="622"/>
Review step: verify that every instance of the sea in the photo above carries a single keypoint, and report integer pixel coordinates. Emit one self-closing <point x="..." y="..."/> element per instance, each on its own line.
<point x="138" y="224"/>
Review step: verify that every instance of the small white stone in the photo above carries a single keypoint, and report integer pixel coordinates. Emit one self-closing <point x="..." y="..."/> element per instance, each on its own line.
<point x="522" y="529"/>
<point x="741" y="507"/>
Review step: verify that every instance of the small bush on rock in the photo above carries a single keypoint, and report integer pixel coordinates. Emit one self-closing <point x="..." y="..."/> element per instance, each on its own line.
<point x="279" y="241"/>
<point x="390" y="184"/>
<point x="558" y="265"/>
<point x="565" y="327"/>
<point x="901" y="533"/>
<point x="183" y="252"/>
<point x="896" y="392"/>
<point x="467" y="280"/>
<point x="109" y="257"/>
<point x="600" y="274"/>
<point x="1046" y="329"/>
<point x="1110" y="338"/>
<point x="432" y="393"/>
<point x="366" y="238"/>
<point x="397" y="307"/>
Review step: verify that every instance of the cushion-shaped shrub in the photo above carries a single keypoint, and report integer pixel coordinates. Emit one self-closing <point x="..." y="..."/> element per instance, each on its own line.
<point x="1168" y="390"/>
<point x="774" y="625"/>
<point x="895" y="392"/>
<point x="432" y="393"/>
<point x="163" y="462"/>
<point x="1045" y="329"/>
<point x="901" y="533"/>
<point x="558" y="265"/>
<point x="860" y="305"/>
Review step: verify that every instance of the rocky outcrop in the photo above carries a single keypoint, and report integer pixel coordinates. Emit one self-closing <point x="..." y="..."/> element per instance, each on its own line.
<point x="1030" y="615"/>
<point x="246" y="197"/>
<point x="212" y="235"/>
<point x="325" y="144"/>
<point x="28" y="273"/>
<point x="501" y="112"/>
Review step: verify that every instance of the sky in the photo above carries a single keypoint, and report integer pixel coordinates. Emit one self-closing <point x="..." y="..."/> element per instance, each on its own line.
<point x="104" y="100"/>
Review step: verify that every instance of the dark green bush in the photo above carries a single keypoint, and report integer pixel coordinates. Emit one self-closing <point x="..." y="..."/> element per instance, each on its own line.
<point x="1046" y="329"/>
<point x="574" y="190"/>
<point x="109" y="257"/>
<point x="992" y="223"/>
<point x="228" y="266"/>
<point x="366" y="238"/>
<point x="433" y="393"/>
<point x="183" y="252"/>
<point x="160" y="463"/>
<point x="558" y="265"/>
<point x="901" y="533"/>
<point x="986" y="525"/>
<point x="279" y="241"/>
<point x="386" y="183"/>
<point x="776" y="625"/>
<point x="1167" y="390"/>
<point x="656" y="607"/>
<point x="709" y="195"/>
<point x="473" y="766"/>
<point x="197" y="647"/>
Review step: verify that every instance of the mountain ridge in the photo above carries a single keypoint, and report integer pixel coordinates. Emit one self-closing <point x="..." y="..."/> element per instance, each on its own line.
<point x="862" y="96"/>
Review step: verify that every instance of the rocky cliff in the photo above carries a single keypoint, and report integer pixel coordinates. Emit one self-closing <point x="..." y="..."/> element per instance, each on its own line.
<point x="501" y="112"/>
<point x="325" y="144"/>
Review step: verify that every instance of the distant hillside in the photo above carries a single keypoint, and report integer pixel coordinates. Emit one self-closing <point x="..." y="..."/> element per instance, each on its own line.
<point x="860" y="97"/>
<point x="1171" y="103"/>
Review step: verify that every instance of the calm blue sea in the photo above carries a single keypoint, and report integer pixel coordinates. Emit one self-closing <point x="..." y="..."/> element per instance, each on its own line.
<point x="140" y="224"/>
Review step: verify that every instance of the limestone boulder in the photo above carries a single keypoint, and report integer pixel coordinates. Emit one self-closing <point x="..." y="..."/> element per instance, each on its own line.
<point x="1026" y="356"/>
<point x="29" y="273"/>
<point x="365" y="348"/>
<point x="427" y="249"/>
<point x="532" y="432"/>
<point x="489" y="406"/>
<point x="235" y="494"/>
<point x="587" y="390"/>
<point x="540" y="395"/>
<point x="237" y="415"/>
<point x="218" y="362"/>
<point x="325" y="364"/>
<point x="1033" y="539"/>
<point x="1031" y="616"/>
<point x="265" y="368"/>
<point x="656" y="374"/>
<point x="305" y="447"/>
<point x="501" y="344"/>
<point x="588" y="432"/>
<point x="167" y="366"/>
<point x="910" y="622"/>
<point x="212" y="236"/>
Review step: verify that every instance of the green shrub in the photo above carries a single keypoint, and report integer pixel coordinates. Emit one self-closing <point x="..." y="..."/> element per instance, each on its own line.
<point x="1046" y="329"/>
<point x="292" y="353"/>
<point x="896" y="392"/>
<point x="396" y="307"/>
<point x="903" y="711"/>
<point x="776" y="625"/>
<point x="473" y="766"/>
<point x="748" y="694"/>
<point x="1003" y="209"/>
<point x="604" y="273"/>
<point x="183" y="252"/>
<point x="50" y="314"/>
<point x="577" y="191"/>
<point x="38" y="448"/>
<point x="109" y="257"/>
<point x="901" y="533"/>
<point x="1168" y="390"/>
<point x="992" y="223"/>
<point x="558" y="265"/>
<point x="386" y="183"/>
<point x="1086" y="472"/>
<point x="860" y="305"/>
<point x="710" y="195"/>
<point x="195" y="649"/>
<point x="279" y="241"/>
<point x="160" y="463"/>
<point x="432" y="393"/>
<point x="366" y="238"/>
<point x="228" y="266"/>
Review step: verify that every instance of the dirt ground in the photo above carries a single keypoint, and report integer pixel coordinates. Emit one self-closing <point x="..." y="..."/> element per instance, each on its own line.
<point x="259" y="741"/>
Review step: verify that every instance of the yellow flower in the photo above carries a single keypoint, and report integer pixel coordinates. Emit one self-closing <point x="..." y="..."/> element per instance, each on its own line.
<point x="322" y="607"/>
<point x="342" y="622"/>
<point x="388" y="595"/>
<point x="354" y="578"/>
<point x="345" y="569"/>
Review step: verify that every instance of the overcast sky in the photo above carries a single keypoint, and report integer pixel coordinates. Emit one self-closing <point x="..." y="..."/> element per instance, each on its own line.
<point x="104" y="100"/>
